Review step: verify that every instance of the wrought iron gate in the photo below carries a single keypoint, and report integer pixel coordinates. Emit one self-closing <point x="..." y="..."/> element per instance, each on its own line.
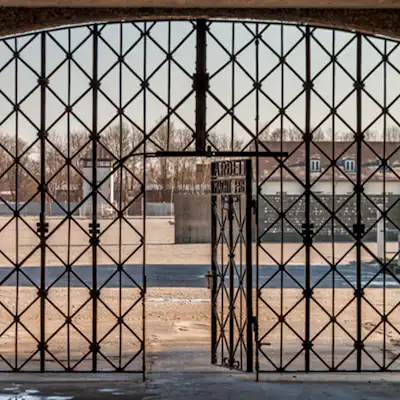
<point x="82" y="107"/>
<point x="232" y="275"/>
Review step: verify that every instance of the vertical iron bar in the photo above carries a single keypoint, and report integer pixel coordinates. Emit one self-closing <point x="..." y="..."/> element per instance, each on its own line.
<point x="69" y="62"/>
<point x="333" y="197"/>
<point x="169" y="64"/>
<point x="358" y="207"/>
<point x="231" y="284"/>
<point x="143" y="190"/>
<point x="385" y="74"/>
<point x="282" y="220"/>
<point x="249" y="266"/>
<point x="255" y="210"/>
<point x="42" y="200"/>
<point x="201" y="83"/>
<point x="307" y="140"/>
<point x="222" y="271"/>
<point x="214" y="279"/>
<point x="17" y="235"/>
<point x="233" y="89"/>
<point x="120" y="207"/>
<point x="94" y="237"/>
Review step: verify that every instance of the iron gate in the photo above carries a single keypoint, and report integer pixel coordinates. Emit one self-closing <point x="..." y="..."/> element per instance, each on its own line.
<point x="81" y="107"/>
<point x="232" y="275"/>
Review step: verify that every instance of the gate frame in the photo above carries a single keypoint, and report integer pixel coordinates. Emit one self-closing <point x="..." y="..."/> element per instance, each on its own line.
<point x="248" y="268"/>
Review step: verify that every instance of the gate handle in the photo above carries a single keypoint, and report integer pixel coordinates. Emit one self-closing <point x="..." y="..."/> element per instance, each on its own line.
<point x="209" y="277"/>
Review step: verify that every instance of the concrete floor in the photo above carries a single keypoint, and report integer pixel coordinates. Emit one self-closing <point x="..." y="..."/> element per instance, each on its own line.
<point x="187" y="375"/>
<point x="192" y="385"/>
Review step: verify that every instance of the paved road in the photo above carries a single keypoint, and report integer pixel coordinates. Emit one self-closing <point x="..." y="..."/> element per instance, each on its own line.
<point x="190" y="276"/>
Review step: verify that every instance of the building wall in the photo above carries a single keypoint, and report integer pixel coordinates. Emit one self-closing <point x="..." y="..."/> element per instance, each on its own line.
<point x="325" y="187"/>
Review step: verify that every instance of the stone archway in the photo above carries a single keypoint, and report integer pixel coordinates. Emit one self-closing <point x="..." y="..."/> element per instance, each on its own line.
<point x="368" y="20"/>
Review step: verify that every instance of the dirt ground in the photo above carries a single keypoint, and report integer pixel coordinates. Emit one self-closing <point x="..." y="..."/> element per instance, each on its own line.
<point x="181" y="317"/>
<point x="178" y="316"/>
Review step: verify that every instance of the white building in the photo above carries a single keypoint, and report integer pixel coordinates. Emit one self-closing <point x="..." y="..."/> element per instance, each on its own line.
<point x="105" y="178"/>
<point x="333" y="168"/>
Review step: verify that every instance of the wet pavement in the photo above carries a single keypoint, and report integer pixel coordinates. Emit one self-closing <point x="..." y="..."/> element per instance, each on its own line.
<point x="179" y="374"/>
<point x="193" y="276"/>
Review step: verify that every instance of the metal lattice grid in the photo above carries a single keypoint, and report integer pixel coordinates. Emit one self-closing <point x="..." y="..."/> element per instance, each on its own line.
<point x="84" y="83"/>
<point x="232" y="289"/>
<point x="326" y="297"/>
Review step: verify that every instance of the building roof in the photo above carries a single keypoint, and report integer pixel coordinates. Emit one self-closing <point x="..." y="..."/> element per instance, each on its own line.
<point x="332" y="156"/>
<point x="102" y="154"/>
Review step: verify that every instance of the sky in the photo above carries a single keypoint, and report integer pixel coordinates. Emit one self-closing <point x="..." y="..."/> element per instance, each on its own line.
<point x="121" y="84"/>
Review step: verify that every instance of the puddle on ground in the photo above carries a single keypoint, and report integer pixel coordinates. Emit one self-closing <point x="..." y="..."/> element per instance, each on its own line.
<point x="114" y="392"/>
<point x="27" y="396"/>
<point x="173" y="300"/>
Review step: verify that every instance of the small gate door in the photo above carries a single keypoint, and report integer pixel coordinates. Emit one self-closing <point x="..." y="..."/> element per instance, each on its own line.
<point x="232" y="308"/>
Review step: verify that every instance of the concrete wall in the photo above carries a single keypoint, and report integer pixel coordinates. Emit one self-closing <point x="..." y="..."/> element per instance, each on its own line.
<point x="193" y="218"/>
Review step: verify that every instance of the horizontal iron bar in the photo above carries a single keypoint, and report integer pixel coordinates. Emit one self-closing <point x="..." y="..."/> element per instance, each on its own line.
<point x="218" y="154"/>
<point x="208" y="154"/>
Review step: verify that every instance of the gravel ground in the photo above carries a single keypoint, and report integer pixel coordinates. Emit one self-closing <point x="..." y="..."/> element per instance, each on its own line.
<point x="183" y="319"/>
<point x="175" y="316"/>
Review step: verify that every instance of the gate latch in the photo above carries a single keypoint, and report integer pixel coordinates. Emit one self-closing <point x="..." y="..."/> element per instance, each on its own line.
<point x="209" y="277"/>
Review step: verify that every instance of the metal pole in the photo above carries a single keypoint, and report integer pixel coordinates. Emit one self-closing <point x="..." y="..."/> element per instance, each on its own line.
<point x="42" y="223"/>
<point x="144" y="202"/>
<point x="201" y="84"/>
<point x="307" y="227"/>
<point x="94" y="224"/>
<point x="249" y="265"/>
<point x="231" y="285"/>
<point x="358" y="189"/>
<point x="214" y="280"/>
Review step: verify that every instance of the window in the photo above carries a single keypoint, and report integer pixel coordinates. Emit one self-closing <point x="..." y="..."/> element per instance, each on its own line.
<point x="349" y="165"/>
<point x="103" y="163"/>
<point x="315" y="165"/>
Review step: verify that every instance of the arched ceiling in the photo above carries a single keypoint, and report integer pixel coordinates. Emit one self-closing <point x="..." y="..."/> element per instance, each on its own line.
<point x="16" y="16"/>
<point x="204" y="3"/>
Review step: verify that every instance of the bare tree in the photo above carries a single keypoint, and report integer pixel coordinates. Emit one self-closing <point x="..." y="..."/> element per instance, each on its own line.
<point x="18" y="168"/>
<point x="345" y="136"/>
<point x="393" y="133"/>
<point x="122" y="140"/>
<point x="319" y="135"/>
<point x="278" y="134"/>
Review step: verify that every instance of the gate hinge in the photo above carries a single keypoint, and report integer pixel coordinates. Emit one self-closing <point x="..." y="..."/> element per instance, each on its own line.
<point x="201" y="82"/>
<point x="94" y="228"/>
<point x="358" y="229"/>
<point x="254" y="321"/>
<point x="42" y="227"/>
